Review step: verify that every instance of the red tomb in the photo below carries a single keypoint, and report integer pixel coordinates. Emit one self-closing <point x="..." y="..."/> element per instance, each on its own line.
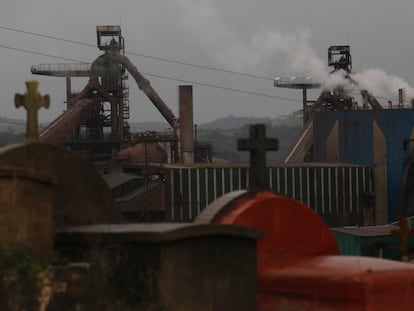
<point x="299" y="266"/>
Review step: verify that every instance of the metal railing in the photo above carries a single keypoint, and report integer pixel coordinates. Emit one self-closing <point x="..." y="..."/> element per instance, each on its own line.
<point x="292" y="80"/>
<point x="61" y="67"/>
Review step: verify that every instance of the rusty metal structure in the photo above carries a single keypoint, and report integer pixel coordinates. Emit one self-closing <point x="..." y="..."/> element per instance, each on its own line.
<point x="95" y="121"/>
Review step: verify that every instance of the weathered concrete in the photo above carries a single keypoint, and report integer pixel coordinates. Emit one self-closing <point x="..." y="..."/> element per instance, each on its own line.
<point x="81" y="196"/>
<point x="174" y="266"/>
<point x="219" y="206"/>
<point x="26" y="222"/>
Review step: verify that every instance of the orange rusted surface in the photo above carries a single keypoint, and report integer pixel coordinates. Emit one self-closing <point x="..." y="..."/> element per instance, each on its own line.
<point x="299" y="266"/>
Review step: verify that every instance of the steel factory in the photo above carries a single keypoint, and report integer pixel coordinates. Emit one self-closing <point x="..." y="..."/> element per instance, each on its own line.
<point x="350" y="163"/>
<point x="147" y="221"/>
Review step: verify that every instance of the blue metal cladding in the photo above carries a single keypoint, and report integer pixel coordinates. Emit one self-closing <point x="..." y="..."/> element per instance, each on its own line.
<point x="356" y="142"/>
<point x="332" y="191"/>
<point x="355" y="135"/>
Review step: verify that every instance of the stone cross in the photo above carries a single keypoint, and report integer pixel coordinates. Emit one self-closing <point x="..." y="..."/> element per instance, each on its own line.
<point x="258" y="144"/>
<point x="403" y="233"/>
<point x="32" y="101"/>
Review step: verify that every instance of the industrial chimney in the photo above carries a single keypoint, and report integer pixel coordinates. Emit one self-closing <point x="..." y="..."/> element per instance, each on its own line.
<point x="401" y="98"/>
<point x="186" y="125"/>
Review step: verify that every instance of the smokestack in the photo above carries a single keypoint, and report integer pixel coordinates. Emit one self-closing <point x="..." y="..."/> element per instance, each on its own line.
<point x="186" y="124"/>
<point x="401" y="96"/>
<point x="365" y="98"/>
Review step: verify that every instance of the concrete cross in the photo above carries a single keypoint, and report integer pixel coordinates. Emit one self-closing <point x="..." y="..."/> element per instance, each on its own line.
<point x="403" y="233"/>
<point x="258" y="144"/>
<point x="32" y="101"/>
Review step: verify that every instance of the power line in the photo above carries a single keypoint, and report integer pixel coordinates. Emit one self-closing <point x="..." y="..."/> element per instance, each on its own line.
<point x="142" y="55"/>
<point x="163" y="77"/>
<point x="223" y="88"/>
<point x="13" y="122"/>
<point x="46" y="36"/>
<point x="38" y="53"/>
<point x="17" y="123"/>
<point x="203" y="67"/>
<point x="154" y="58"/>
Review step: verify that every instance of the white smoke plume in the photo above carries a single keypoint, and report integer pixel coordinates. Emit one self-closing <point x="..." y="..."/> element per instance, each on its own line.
<point x="268" y="52"/>
<point x="376" y="81"/>
<point x="338" y="79"/>
<point x="379" y="83"/>
<point x="272" y="53"/>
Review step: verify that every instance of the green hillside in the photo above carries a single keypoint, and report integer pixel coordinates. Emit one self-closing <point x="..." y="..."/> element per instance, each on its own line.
<point x="222" y="133"/>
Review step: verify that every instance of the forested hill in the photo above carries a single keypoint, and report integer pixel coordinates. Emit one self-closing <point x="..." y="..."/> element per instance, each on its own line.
<point x="11" y="131"/>
<point x="233" y="123"/>
<point x="230" y="122"/>
<point x="222" y="133"/>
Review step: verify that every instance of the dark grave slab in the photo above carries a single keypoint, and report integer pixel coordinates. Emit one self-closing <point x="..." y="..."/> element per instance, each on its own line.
<point x="175" y="265"/>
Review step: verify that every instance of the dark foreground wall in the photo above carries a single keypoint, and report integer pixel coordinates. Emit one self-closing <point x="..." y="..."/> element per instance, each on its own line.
<point x="80" y="197"/>
<point x="167" y="266"/>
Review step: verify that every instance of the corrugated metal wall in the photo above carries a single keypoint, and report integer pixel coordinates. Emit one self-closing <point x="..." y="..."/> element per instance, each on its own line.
<point x="334" y="192"/>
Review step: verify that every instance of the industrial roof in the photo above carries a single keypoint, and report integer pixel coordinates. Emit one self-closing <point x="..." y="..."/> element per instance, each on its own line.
<point x="116" y="179"/>
<point x="370" y="231"/>
<point x="373" y="231"/>
<point x="139" y="191"/>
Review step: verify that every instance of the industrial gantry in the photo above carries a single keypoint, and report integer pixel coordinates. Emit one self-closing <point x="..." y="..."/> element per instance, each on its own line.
<point x="95" y="121"/>
<point x="338" y="99"/>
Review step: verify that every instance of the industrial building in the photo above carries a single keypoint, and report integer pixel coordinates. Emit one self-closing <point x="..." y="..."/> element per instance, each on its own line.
<point x="351" y="163"/>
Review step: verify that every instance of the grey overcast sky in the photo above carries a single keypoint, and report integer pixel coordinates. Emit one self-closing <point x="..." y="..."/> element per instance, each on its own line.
<point x="265" y="37"/>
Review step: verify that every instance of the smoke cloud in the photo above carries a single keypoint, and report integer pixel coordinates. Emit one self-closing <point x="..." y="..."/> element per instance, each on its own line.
<point x="272" y="53"/>
<point x="376" y="81"/>
<point x="267" y="52"/>
<point x="339" y="79"/>
<point x="379" y="83"/>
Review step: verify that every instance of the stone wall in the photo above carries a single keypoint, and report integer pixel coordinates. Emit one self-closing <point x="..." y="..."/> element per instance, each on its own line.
<point x="166" y="266"/>
<point x="81" y="196"/>
<point x="26" y="221"/>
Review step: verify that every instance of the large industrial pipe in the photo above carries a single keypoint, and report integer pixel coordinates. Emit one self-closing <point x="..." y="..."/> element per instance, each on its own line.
<point x="186" y="124"/>
<point x="68" y="121"/>
<point x="146" y="87"/>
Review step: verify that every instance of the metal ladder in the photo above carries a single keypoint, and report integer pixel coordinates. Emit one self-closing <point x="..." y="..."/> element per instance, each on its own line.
<point x="125" y="98"/>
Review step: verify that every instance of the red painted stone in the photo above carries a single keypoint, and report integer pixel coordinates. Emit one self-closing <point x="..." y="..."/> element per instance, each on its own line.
<point x="299" y="266"/>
